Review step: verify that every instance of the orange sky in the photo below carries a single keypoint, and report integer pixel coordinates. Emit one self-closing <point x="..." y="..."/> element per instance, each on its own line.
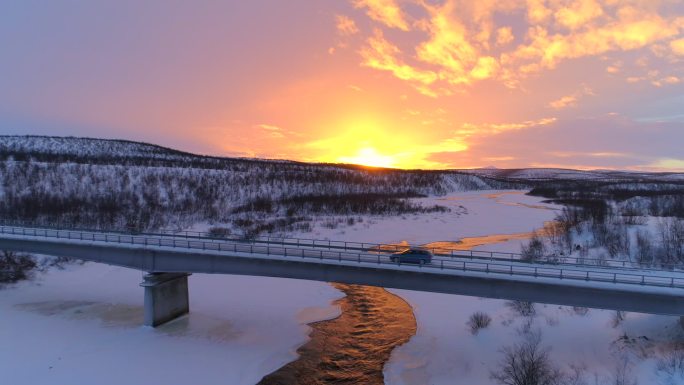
<point x="395" y="83"/>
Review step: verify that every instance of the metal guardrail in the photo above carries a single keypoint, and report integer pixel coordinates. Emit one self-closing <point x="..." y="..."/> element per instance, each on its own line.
<point x="553" y="260"/>
<point x="378" y="259"/>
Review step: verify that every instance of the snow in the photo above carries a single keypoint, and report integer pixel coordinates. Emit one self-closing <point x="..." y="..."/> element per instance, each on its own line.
<point x="569" y="174"/>
<point x="473" y="214"/>
<point x="74" y="325"/>
<point x="82" y="326"/>
<point x="444" y="349"/>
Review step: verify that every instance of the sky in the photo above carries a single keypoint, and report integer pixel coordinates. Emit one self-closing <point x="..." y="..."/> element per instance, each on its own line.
<point x="435" y="84"/>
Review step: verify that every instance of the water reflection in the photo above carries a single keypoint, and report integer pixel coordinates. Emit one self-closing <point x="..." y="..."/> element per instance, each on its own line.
<point x="352" y="348"/>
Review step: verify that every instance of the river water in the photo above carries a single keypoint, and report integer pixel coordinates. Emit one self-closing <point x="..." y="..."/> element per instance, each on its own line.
<point x="354" y="347"/>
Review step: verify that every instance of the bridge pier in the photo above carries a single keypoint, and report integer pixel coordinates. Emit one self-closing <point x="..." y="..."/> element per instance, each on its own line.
<point x="166" y="297"/>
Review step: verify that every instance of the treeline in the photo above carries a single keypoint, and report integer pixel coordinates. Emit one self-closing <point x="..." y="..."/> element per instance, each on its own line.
<point x="654" y="198"/>
<point x="345" y="204"/>
<point x="640" y="222"/>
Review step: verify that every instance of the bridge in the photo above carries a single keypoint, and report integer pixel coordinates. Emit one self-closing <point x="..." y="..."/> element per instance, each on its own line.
<point x="169" y="258"/>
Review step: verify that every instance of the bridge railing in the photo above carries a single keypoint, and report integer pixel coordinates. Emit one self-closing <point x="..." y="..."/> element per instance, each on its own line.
<point x="374" y="247"/>
<point x="368" y="259"/>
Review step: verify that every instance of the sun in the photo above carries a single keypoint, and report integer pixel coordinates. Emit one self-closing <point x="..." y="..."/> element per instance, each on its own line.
<point x="369" y="156"/>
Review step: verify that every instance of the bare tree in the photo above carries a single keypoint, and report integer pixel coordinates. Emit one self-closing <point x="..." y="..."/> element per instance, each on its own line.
<point x="644" y="248"/>
<point x="672" y="362"/>
<point x="534" y="250"/>
<point x="15" y="267"/>
<point x="527" y="363"/>
<point x="671" y="232"/>
<point x="618" y="317"/>
<point x="623" y="374"/>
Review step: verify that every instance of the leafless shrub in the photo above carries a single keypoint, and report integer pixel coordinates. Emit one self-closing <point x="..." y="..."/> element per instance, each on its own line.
<point x="331" y="223"/>
<point x="601" y="259"/>
<point x="570" y="216"/>
<point x="616" y="239"/>
<point x="583" y="253"/>
<point x="632" y="214"/>
<point x="479" y="320"/>
<point x="527" y="363"/>
<point x="671" y="233"/>
<point x="644" y="248"/>
<point x="522" y="308"/>
<point x="534" y="250"/>
<point x="623" y="374"/>
<point x="219" y="232"/>
<point x="617" y="318"/>
<point x="15" y="267"/>
<point x="59" y="262"/>
<point x="671" y="363"/>
<point x="576" y="376"/>
<point x="582" y="311"/>
<point x="559" y="233"/>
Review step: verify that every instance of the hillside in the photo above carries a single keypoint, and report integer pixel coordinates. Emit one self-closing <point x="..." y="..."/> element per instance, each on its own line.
<point x="548" y="174"/>
<point x="115" y="184"/>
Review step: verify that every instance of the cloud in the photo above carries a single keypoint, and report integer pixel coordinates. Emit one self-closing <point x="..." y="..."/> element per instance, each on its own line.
<point x="504" y="35"/>
<point x="386" y="12"/>
<point x="666" y="80"/>
<point x="497" y="128"/>
<point x="564" y="102"/>
<point x="345" y="26"/>
<point x="612" y="141"/>
<point x="677" y="47"/>
<point x="578" y="13"/>
<point x="272" y="131"/>
<point x="456" y="43"/>
<point x="571" y="100"/>
<point x="537" y="12"/>
<point x="269" y="127"/>
<point x="449" y="48"/>
<point x="630" y="31"/>
<point x="383" y="55"/>
<point x="668" y="164"/>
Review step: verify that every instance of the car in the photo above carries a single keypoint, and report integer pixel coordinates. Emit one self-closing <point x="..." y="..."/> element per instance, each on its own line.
<point x="412" y="255"/>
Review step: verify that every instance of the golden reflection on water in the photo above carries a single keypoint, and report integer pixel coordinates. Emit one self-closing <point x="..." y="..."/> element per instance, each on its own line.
<point x="468" y="243"/>
<point x="352" y="348"/>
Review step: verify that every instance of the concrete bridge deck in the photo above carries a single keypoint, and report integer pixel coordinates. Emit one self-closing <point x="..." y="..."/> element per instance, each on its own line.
<point x="604" y="287"/>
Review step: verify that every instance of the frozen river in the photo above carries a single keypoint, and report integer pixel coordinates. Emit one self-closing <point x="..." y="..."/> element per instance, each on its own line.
<point x="81" y="325"/>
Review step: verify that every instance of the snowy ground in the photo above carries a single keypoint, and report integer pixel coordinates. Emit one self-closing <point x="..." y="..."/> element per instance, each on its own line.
<point x="473" y="214"/>
<point x="82" y="325"/>
<point x="445" y="352"/>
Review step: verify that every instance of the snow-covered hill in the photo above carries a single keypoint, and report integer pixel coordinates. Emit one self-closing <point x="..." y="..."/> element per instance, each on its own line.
<point x="541" y="174"/>
<point x="84" y="147"/>
<point x="118" y="183"/>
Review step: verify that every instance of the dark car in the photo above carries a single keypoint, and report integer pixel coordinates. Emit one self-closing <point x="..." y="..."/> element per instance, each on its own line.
<point x="412" y="255"/>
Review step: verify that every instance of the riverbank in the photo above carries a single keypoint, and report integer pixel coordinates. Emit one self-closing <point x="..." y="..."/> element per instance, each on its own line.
<point x="83" y="325"/>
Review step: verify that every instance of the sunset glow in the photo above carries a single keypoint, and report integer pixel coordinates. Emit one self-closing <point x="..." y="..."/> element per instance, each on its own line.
<point x="408" y="84"/>
<point x="369" y="157"/>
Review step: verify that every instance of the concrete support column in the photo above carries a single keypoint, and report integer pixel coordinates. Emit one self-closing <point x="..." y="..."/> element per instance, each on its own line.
<point x="166" y="297"/>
